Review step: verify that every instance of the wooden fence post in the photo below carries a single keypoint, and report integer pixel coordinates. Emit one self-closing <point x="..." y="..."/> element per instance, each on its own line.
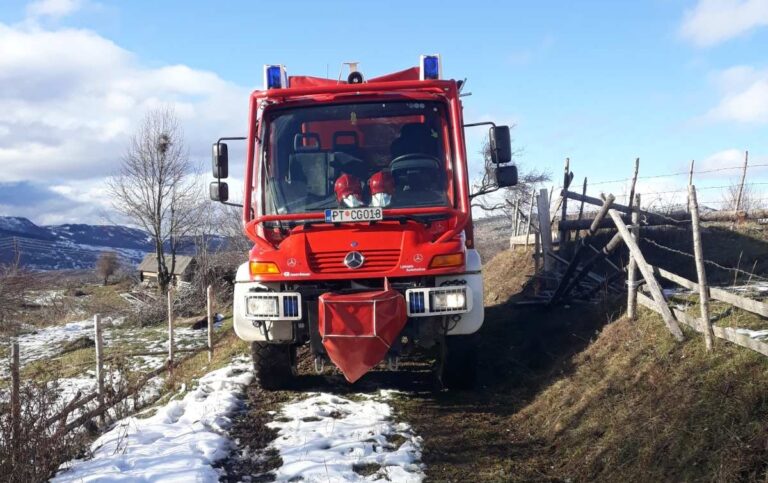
<point x="647" y="272"/>
<point x="99" y="340"/>
<point x="545" y="229"/>
<point x="536" y="252"/>
<point x="15" y="396"/>
<point x="209" y="307"/>
<point x="632" y="269"/>
<point x="530" y="217"/>
<point x="581" y="207"/>
<point x="170" y="329"/>
<point x="634" y="183"/>
<point x="741" y="184"/>
<point x="567" y="177"/>
<point x="690" y="173"/>
<point x="698" y="253"/>
<point x="517" y="216"/>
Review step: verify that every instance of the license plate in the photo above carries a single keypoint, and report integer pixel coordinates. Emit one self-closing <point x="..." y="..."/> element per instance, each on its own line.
<point x="353" y="215"/>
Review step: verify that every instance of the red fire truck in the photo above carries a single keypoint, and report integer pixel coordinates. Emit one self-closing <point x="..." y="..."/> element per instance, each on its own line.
<point x="357" y="200"/>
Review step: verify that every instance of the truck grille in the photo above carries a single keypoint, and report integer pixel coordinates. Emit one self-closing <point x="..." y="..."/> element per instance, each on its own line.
<point x="333" y="262"/>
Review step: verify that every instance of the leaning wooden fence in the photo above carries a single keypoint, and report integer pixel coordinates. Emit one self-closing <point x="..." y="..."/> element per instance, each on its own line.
<point x="564" y="264"/>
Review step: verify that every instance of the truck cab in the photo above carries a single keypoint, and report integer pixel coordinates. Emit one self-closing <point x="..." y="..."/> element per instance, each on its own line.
<point x="356" y="197"/>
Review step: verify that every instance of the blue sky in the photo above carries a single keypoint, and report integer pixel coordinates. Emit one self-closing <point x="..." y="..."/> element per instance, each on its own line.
<point x="601" y="81"/>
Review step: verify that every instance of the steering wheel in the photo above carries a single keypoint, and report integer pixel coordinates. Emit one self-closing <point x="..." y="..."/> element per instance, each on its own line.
<point x="408" y="157"/>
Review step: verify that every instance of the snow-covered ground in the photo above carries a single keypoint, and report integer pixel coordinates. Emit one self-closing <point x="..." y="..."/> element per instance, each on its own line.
<point x="180" y="442"/>
<point x="321" y="438"/>
<point x="47" y="342"/>
<point x="326" y="438"/>
<point x="754" y="334"/>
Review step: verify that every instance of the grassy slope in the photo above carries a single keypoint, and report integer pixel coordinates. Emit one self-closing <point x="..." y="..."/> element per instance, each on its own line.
<point x="640" y="406"/>
<point x="565" y="395"/>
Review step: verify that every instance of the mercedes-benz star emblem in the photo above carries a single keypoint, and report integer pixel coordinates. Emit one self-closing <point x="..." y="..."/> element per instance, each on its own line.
<point x="354" y="260"/>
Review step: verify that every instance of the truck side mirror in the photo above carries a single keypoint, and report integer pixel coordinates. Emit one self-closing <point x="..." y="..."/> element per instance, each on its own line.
<point x="501" y="144"/>
<point x="219" y="191"/>
<point x="506" y="176"/>
<point x="220" y="160"/>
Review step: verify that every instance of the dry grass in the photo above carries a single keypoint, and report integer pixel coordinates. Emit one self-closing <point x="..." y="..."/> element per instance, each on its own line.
<point x="506" y="274"/>
<point x="641" y="407"/>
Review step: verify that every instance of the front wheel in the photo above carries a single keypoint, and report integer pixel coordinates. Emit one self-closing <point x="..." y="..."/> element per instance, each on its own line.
<point x="459" y="368"/>
<point x="274" y="365"/>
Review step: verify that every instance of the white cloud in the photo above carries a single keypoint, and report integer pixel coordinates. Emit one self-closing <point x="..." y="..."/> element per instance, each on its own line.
<point x="722" y="159"/>
<point x="744" y="96"/>
<point x="53" y="8"/>
<point x="69" y="100"/>
<point x="727" y="164"/>
<point x="711" y="22"/>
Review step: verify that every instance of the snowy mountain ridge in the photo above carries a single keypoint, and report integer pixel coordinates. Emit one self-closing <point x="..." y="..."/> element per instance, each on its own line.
<point x="72" y="246"/>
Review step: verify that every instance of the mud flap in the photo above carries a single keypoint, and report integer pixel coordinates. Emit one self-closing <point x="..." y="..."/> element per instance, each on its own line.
<point x="358" y="329"/>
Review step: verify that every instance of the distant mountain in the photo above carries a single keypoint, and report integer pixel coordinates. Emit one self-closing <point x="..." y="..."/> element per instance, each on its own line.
<point x="16" y="226"/>
<point x="74" y="246"/>
<point x="103" y="235"/>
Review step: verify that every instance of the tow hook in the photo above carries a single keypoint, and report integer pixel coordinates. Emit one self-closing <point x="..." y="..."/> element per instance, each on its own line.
<point x="319" y="364"/>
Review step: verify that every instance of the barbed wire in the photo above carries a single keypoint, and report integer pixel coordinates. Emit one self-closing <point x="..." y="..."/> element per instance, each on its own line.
<point x="708" y="262"/>
<point x="679" y="173"/>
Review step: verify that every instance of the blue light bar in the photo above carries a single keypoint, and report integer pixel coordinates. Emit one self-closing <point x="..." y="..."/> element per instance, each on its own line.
<point x="275" y="77"/>
<point x="430" y="67"/>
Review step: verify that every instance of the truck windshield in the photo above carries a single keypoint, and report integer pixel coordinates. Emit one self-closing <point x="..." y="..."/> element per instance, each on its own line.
<point x="385" y="154"/>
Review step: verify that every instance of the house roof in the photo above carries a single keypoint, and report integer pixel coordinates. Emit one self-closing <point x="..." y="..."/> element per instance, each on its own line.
<point x="149" y="264"/>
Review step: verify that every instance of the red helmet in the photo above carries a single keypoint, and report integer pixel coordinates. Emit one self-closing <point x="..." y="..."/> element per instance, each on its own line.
<point x="381" y="182"/>
<point x="346" y="185"/>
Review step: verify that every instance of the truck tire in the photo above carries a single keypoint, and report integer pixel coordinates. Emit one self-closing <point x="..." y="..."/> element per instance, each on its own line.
<point x="459" y="369"/>
<point x="273" y="364"/>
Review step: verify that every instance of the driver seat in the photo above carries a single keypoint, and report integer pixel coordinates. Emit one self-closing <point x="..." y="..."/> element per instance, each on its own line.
<point x="414" y="137"/>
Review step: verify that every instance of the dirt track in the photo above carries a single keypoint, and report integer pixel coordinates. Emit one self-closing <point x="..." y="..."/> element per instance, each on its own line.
<point x="552" y="406"/>
<point x="466" y="434"/>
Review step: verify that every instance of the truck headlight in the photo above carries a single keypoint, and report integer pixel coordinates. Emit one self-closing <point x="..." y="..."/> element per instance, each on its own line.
<point x="262" y="306"/>
<point x="442" y="301"/>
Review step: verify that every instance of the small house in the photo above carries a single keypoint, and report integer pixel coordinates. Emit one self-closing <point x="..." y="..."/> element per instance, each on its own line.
<point x="182" y="272"/>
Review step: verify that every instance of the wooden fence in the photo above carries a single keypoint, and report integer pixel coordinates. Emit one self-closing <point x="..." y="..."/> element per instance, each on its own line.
<point x="104" y="403"/>
<point x="564" y="263"/>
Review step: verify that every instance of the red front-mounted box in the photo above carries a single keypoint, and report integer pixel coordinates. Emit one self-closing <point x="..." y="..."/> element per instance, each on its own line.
<point x="358" y="329"/>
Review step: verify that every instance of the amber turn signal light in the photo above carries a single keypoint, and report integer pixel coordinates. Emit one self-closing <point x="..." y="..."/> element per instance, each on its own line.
<point x="442" y="261"/>
<point x="263" y="268"/>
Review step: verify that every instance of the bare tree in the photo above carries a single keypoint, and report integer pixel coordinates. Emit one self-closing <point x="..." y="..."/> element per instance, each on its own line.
<point x="106" y="265"/>
<point x="749" y="198"/>
<point x="156" y="188"/>
<point x="221" y="246"/>
<point x="486" y="195"/>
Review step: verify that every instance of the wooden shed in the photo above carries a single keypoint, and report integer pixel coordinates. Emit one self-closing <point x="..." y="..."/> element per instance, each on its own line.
<point x="185" y="268"/>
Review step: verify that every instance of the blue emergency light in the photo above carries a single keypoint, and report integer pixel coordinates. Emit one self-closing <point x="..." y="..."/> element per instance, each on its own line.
<point x="275" y="77"/>
<point x="430" y="67"/>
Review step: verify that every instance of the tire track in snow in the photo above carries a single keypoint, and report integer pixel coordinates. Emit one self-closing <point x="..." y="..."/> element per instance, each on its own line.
<point x="326" y="437"/>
